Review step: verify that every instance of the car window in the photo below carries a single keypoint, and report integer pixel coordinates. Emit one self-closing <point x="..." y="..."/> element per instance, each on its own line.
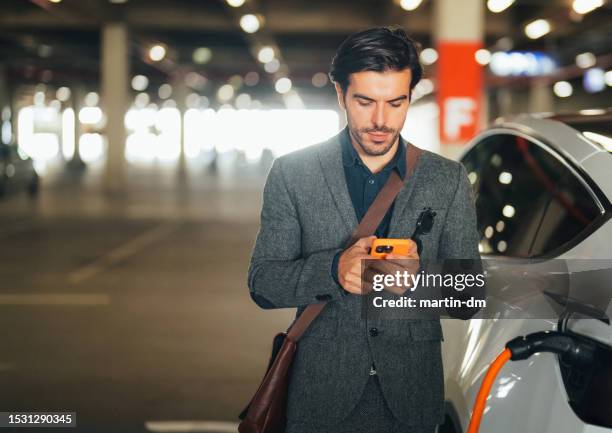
<point x="514" y="181"/>
<point x="570" y="211"/>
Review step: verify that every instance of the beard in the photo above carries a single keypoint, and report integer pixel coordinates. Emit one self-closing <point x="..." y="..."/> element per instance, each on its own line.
<point x="360" y="135"/>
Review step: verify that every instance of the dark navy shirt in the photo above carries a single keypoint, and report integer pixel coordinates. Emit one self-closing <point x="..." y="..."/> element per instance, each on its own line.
<point x="364" y="186"/>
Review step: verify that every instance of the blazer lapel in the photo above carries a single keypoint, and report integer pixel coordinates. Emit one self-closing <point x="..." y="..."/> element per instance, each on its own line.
<point x="330" y="156"/>
<point x="403" y="198"/>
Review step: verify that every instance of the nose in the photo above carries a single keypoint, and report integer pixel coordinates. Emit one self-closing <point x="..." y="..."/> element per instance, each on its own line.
<point x="378" y="116"/>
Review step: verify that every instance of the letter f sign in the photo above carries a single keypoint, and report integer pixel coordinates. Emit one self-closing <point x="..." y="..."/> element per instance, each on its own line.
<point x="458" y="112"/>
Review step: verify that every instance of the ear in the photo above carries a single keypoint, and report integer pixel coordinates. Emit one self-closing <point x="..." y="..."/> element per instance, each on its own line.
<point x="340" y="95"/>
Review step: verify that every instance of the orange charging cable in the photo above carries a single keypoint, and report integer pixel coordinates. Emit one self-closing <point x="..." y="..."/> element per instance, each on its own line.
<point x="485" y="388"/>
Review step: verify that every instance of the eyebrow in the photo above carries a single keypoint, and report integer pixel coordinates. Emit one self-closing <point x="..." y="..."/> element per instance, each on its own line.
<point x="360" y="96"/>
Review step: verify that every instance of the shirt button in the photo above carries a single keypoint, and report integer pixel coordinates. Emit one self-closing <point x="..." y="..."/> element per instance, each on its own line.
<point x="373" y="332"/>
<point x="371" y="181"/>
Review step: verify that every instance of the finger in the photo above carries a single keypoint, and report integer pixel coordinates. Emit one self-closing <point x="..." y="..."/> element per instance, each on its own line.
<point x="368" y="275"/>
<point x="365" y="243"/>
<point x="402" y="260"/>
<point x="412" y="246"/>
<point x="354" y="275"/>
<point x="396" y="290"/>
<point x="353" y="279"/>
<point x="385" y="267"/>
<point x="366" y="287"/>
<point x="354" y="289"/>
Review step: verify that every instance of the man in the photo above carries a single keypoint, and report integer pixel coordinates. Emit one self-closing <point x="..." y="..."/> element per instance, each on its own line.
<point x="350" y="373"/>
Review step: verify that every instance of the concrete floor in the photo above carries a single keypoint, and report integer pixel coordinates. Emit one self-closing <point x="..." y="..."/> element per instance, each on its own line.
<point x="133" y="309"/>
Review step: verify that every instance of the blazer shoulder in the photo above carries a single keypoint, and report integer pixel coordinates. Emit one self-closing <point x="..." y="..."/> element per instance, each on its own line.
<point x="306" y="158"/>
<point x="441" y="165"/>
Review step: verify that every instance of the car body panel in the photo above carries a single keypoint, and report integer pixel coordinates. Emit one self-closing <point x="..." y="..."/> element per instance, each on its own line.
<point x="529" y="395"/>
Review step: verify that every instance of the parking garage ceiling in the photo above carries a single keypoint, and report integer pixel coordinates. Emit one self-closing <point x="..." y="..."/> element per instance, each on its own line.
<point x="59" y="42"/>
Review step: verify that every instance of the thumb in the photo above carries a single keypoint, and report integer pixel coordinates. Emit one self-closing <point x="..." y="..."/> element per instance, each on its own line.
<point x="365" y="243"/>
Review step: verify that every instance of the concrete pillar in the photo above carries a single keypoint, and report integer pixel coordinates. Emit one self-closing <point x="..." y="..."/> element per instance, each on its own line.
<point x="6" y="113"/>
<point x="540" y="97"/>
<point x="77" y="99"/>
<point x="180" y="92"/>
<point x="504" y="102"/>
<point x="115" y="82"/>
<point x="459" y="33"/>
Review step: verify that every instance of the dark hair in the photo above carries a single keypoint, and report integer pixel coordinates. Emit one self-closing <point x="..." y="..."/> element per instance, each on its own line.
<point x="378" y="49"/>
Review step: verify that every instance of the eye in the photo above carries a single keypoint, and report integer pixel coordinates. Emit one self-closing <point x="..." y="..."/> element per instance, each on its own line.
<point x="396" y="104"/>
<point x="365" y="103"/>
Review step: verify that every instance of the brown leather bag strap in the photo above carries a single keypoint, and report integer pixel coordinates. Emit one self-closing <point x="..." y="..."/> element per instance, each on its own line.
<point x="370" y="221"/>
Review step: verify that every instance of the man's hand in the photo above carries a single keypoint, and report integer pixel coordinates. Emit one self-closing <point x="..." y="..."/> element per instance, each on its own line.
<point x="349" y="266"/>
<point x="393" y="263"/>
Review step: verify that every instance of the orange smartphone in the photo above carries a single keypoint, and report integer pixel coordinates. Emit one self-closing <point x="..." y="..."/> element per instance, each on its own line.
<point x="381" y="247"/>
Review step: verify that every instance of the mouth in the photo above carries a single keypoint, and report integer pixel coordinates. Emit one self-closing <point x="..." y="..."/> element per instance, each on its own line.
<point x="377" y="136"/>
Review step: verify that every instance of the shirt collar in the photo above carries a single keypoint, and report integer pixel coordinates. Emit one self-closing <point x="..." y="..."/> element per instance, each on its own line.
<point x="350" y="157"/>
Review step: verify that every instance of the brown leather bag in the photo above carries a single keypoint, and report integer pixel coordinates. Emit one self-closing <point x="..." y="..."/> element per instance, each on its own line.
<point x="266" y="413"/>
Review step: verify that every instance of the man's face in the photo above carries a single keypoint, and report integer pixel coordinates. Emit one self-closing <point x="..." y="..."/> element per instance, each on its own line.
<point x="376" y="105"/>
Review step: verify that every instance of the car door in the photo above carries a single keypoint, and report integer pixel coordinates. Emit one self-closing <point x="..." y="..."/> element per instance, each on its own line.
<point x="531" y="203"/>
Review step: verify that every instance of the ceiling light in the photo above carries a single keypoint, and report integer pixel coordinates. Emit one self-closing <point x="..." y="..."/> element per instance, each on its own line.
<point x="235" y="3"/>
<point x="141" y="100"/>
<point x="92" y="99"/>
<point x="592" y="111"/>
<point x="225" y="93"/>
<point x="164" y="91"/>
<point x="140" y="83"/>
<point x="425" y="86"/>
<point x="235" y="81"/>
<point x="563" y="89"/>
<point x="319" y="79"/>
<point x="508" y="211"/>
<point x="586" y="60"/>
<point x="272" y="66"/>
<point x="243" y="101"/>
<point x="429" y="56"/>
<point x="505" y="177"/>
<point x="283" y="85"/>
<point x="536" y="29"/>
<point x="249" y="23"/>
<point x="410" y="5"/>
<point x="63" y="94"/>
<point x="594" y="80"/>
<point x="585" y="6"/>
<point x="251" y="78"/>
<point x="157" y="52"/>
<point x="483" y="56"/>
<point x="201" y="55"/>
<point x="266" y="54"/>
<point x="498" y="6"/>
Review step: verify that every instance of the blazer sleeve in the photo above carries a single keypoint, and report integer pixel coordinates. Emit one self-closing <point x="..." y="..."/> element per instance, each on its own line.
<point x="458" y="249"/>
<point x="279" y="275"/>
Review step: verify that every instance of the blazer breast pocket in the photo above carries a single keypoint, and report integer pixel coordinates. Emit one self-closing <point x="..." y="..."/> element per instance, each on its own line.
<point x="422" y="222"/>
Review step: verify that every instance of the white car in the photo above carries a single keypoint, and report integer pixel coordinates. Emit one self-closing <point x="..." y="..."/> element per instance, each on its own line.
<point x="543" y="187"/>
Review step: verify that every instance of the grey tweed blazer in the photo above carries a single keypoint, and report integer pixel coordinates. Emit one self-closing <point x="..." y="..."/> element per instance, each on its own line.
<point x="307" y="217"/>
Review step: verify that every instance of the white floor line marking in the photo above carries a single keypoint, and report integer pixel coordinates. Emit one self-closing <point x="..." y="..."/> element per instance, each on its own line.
<point x="192" y="426"/>
<point x="74" y="299"/>
<point x="122" y="252"/>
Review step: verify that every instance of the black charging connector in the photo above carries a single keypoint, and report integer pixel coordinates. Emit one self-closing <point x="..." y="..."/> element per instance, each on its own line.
<point x="570" y="347"/>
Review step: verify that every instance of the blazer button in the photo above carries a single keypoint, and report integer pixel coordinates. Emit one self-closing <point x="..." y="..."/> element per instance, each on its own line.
<point x="373" y="332"/>
<point x="323" y="297"/>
